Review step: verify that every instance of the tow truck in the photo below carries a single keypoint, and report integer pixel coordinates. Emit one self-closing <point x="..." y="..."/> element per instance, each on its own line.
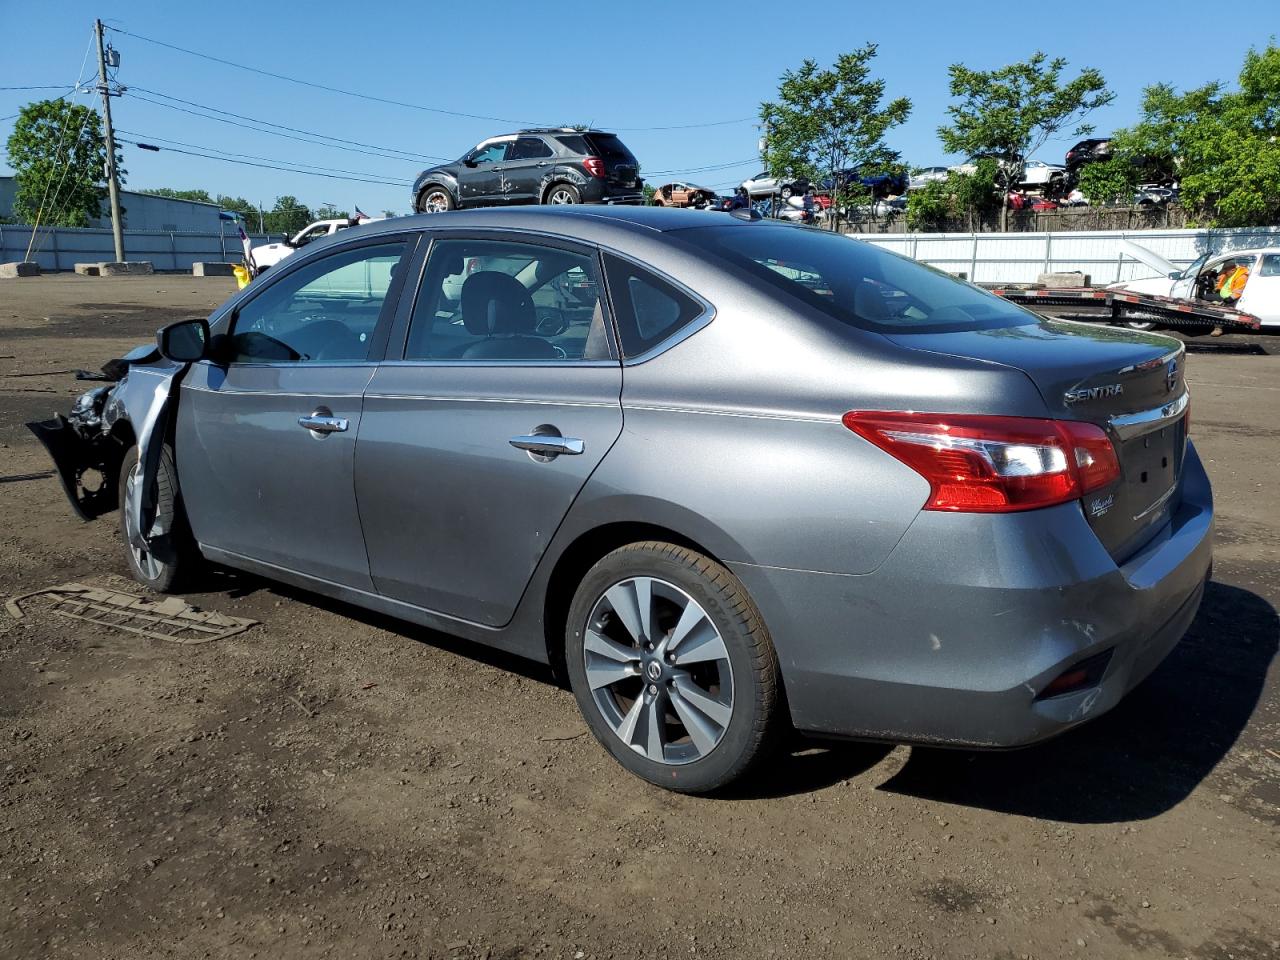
<point x="1139" y="310"/>
<point x="268" y="255"/>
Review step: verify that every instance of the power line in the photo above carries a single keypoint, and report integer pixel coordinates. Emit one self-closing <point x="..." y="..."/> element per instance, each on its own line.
<point x="401" y="103"/>
<point x="272" y="166"/>
<point x="148" y="138"/>
<point x="753" y="161"/>
<point x="409" y="154"/>
<point x="323" y="86"/>
<point x="45" y="86"/>
<point x="338" y="143"/>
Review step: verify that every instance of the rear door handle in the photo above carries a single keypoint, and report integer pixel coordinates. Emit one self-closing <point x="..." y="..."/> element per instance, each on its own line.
<point x="319" y="424"/>
<point x="549" y="446"/>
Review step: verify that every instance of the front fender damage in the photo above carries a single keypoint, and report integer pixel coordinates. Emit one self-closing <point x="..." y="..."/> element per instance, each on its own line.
<point x="88" y="445"/>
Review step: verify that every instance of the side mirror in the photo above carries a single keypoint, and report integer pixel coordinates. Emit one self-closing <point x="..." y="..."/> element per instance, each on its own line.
<point x="185" y="341"/>
<point x="468" y="162"/>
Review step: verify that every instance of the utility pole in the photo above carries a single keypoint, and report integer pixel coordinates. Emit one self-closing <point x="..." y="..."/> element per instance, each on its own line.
<point x="113" y="179"/>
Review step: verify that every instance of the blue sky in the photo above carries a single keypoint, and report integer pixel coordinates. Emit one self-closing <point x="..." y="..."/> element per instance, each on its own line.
<point x="614" y="65"/>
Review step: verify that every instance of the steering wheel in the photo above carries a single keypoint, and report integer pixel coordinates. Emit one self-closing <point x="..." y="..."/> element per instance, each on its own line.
<point x="551" y="322"/>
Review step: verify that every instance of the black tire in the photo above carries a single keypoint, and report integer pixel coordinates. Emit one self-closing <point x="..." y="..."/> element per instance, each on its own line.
<point x="1141" y="324"/>
<point x="435" y="195"/>
<point x="786" y="191"/>
<point x="757" y="717"/>
<point x="566" y="190"/>
<point x="156" y="574"/>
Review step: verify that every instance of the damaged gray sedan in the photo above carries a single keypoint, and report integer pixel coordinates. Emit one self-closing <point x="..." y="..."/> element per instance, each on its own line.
<point x="728" y="476"/>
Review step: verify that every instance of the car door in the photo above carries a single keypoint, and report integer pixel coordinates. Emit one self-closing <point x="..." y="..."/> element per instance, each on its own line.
<point x="266" y="435"/>
<point x="528" y="160"/>
<point x="480" y="432"/>
<point x="1261" y="295"/>
<point x="481" y="179"/>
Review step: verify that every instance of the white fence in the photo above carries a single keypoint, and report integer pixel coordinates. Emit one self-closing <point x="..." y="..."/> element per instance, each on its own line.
<point x="1021" y="257"/>
<point x="61" y="248"/>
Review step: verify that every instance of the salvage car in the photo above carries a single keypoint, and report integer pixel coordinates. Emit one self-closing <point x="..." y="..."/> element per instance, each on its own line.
<point x="1261" y="295"/>
<point x="745" y="477"/>
<point x="766" y="185"/>
<point x="680" y="194"/>
<point x="553" y="165"/>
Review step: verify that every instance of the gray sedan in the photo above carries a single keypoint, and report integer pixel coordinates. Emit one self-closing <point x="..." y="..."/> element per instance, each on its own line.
<point x="728" y="476"/>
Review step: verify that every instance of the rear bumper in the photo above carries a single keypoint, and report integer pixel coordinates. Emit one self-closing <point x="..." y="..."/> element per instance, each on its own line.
<point x="601" y="191"/>
<point x="954" y="637"/>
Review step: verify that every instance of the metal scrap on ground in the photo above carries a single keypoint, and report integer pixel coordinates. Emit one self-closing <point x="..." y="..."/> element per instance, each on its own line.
<point x="170" y="619"/>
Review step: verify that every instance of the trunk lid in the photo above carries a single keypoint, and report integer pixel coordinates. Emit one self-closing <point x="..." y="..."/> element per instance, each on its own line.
<point x="1131" y="384"/>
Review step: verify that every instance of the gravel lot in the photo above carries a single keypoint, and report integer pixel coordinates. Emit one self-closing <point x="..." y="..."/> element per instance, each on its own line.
<point x="335" y="783"/>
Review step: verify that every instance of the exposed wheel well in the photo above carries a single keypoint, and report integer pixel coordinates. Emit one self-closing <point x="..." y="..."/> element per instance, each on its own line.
<point x="581" y="556"/>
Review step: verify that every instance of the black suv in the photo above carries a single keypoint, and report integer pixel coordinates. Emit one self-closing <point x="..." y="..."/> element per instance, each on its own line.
<point x="534" y="166"/>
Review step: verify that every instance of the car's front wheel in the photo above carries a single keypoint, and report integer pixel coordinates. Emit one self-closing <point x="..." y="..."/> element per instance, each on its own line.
<point x="435" y="200"/>
<point x="563" y="193"/>
<point x="166" y="573"/>
<point x="673" y="668"/>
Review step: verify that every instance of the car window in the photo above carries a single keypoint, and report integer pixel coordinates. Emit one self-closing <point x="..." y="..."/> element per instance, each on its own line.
<point x="1270" y="266"/>
<point x="575" y="143"/>
<point x="650" y="309"/>
<point x="315" y="233"/>
<point x="529" y="148"/>
<point x="855" y="282"/>
<point x="490" y="152"/>
<point x="320" y="313"/>
<point x="491" y="300"/>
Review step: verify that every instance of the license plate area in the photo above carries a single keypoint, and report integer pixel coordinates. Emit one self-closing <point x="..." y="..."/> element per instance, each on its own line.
<point x="1151" y="464"/>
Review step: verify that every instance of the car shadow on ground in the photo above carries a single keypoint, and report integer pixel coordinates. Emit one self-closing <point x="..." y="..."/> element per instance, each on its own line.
<point x="1133" y="763"/>
<point x="1143" y="757"/>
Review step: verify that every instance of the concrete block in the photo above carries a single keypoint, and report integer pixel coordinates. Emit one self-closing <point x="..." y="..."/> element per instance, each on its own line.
<point x="20" y="268"/>
<point x="126" y="268"/>
<point x="207" y="268"/>
<point x="1053" y="280"/>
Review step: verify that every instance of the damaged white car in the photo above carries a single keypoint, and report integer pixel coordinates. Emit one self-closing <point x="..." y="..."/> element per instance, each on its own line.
<point x="1261" y="296"/>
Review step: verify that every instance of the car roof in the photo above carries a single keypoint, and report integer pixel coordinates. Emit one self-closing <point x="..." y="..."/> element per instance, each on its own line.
<point x="588" y="221"/>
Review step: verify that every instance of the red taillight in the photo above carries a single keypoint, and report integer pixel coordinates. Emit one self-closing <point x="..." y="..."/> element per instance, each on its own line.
<point x="983" y="464"/>
<point x="594" y="166"/>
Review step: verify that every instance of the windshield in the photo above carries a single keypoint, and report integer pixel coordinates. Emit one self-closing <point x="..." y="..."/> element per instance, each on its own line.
<point x="1194" y="269"/>
<point x="855" y="282"/>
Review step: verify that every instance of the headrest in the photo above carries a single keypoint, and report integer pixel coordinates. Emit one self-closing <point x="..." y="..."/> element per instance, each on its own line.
<point x="495" y="303"/>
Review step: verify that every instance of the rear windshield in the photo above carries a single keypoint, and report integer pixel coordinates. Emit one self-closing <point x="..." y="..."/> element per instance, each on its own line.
<point x="855" y="282"/>
<point x="609" y="147"/>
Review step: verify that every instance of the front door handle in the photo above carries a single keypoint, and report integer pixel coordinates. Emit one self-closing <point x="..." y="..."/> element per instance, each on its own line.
<point x="321" y="424"/>
<point x="549" y="446"/>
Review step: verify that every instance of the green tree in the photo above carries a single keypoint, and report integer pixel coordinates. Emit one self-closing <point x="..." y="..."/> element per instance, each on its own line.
<point x="828" y="121"/>
<point x="1226" y="143"/>
<point x="201" y="196"/>
<point x="1110" y="181"/>
<point x="964" y="196"/>
<point x="330" y="213"/>
<point x="1010" y="112"/>
<point x="287" y="216"/>
<point x="58" y="155"/>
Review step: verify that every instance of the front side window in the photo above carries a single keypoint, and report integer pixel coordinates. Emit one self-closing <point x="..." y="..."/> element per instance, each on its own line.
<point x="321" y="313"/>
<point x="650" y="309"/>
<point x="315" y="233"/>
<point x="856" y="283"/>
<point x="489" y="152"/>
<point x="499" y="300"/>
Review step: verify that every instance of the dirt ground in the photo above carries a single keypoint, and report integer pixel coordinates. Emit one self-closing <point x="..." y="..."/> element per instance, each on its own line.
<point x="335" y="783"/>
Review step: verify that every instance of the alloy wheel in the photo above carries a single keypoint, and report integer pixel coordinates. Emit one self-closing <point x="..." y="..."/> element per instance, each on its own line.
<point x="561" y="195"/>
<point x="658" y="670"/>
<point x="146" y="563"/>
<point x="435" y="202"/>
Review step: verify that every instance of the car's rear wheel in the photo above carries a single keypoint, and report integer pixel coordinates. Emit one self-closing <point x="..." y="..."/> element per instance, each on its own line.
<point x="673" y="668"/>
<point x="563" y="193"/>
<point x="1141" y="324"/>
<point x="786" y="191"/>
<point x="181" y="554"/>
<point x="435" y="200"/>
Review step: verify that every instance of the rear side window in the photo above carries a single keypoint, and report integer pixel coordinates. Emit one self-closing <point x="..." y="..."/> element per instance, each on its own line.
<point x="575" y="144"/>
<point x="1270" y="265"/>
<point x="649" y="308"/>
<point x="528" y="148"/>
